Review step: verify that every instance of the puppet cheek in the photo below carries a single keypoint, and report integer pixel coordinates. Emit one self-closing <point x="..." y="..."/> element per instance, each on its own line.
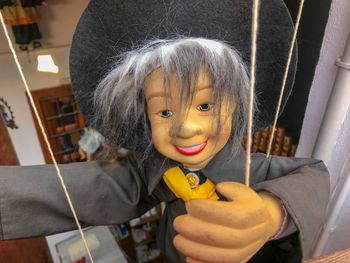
<point x="159" y="144"/>
<point x="160" y="139"/>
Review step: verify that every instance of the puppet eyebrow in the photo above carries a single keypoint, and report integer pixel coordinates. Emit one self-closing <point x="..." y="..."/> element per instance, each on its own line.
<point x="161" y="94"/>
<point x="209" y="86"/>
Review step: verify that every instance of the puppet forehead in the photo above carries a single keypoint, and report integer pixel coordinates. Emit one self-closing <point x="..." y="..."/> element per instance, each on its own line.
<point x="154" y="84"/>
<point x="108" y="28"/>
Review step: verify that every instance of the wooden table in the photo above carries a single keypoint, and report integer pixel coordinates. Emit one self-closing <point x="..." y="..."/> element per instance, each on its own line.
<point x="342" y="256"/>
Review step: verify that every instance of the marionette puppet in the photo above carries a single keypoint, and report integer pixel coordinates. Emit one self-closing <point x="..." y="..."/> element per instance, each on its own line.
<point x="167" y="80"/>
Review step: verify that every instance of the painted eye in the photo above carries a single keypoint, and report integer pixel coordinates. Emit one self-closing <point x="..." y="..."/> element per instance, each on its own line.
<point x="205" y="107"/>
<point x="165" y="114"/>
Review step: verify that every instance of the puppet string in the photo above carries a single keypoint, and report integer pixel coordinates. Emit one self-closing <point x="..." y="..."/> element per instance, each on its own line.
<point x="272" y="135"/>
<point x="254" y="33"/>
<point x="46" y="138"/>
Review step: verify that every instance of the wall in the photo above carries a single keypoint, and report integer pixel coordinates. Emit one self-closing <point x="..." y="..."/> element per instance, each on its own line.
<point x="25" y="139"/>
<point x="336" y="236"/>
<point x="57" y="25"/>
<point x="333" y="45"/>
<point x="337" y="153"/>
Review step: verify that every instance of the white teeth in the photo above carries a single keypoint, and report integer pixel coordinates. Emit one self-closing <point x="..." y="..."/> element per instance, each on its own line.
<point x="190" y="150"/>
<point x="192" y="147"/>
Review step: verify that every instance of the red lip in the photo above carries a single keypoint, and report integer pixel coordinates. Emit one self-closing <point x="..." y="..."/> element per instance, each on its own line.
<point x="191" y="150"/>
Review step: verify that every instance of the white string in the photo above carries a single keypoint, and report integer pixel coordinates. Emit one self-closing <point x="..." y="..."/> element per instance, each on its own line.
<point x="45" y="138"/>
<point x="272" y="135"/>
<point x="254" y="33"/>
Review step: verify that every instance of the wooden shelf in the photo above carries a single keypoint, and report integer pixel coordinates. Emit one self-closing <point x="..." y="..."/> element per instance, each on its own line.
<point x="152" y="216"/>
<point x="62" y="121"/>
<point x="342" y="256"/>
<point x="67" y="150"/>
<point x="146" y="241"/>
<point x="65" y="133"/>
<point x="158" y="259"/>
<point x="62" y="115"/>
<point x="147" y="219"/>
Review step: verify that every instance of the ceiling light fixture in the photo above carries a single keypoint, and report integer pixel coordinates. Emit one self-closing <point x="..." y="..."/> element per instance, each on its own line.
<point x="46" y="64"/>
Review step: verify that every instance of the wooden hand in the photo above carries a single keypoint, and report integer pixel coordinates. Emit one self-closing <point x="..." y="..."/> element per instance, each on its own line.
<point x="227" y="231"/>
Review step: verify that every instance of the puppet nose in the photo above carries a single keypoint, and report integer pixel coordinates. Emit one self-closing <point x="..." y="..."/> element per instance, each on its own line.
<point x="186" y="130"/>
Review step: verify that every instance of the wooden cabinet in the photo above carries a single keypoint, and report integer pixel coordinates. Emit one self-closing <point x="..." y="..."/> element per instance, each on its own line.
<point x="144" y="231"/>
<point x="62" y="120"/>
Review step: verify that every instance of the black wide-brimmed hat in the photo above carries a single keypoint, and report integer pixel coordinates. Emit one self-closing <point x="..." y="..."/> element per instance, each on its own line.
<point x="109" y="27"/>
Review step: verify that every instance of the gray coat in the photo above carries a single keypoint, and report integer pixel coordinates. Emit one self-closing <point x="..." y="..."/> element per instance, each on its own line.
<point x="32" y="202"/>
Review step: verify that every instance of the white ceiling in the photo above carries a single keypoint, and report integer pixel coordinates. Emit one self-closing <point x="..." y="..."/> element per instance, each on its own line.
<point x="57" y="24"/>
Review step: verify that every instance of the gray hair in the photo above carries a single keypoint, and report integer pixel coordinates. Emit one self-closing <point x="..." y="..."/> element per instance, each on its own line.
<point x="120" y="102"/>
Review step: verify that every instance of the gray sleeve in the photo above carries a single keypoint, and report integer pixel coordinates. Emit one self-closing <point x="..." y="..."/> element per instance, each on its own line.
<point x="32" y="202"/>
<point x="303" y="186"/>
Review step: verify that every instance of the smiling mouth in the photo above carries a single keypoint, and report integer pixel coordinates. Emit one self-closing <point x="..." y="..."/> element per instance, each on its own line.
<point x="191" y="150"/>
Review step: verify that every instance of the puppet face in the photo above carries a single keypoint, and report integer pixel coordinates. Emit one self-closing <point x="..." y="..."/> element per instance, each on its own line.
<point x="186" y="132"/>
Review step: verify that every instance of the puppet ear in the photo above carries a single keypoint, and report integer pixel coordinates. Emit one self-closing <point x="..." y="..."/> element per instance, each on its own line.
<point x="108" y="28"/>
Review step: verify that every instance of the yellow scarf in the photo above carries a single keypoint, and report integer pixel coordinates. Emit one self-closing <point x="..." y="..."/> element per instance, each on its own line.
<point x="180" y="185"/>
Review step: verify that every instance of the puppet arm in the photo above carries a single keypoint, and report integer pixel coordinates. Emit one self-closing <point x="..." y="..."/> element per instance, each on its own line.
<point x="32" y="202"/>
<point x="303" y="187"/>
<point x="235" y="230"/>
